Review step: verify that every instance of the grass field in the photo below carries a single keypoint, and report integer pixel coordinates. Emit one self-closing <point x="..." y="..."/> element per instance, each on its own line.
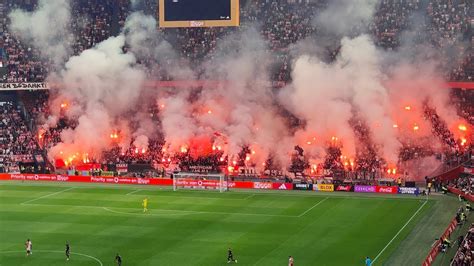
<point x="197" y="227"/>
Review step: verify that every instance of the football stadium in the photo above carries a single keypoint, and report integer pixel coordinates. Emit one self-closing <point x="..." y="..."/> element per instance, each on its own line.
<point x="249" y="132"/>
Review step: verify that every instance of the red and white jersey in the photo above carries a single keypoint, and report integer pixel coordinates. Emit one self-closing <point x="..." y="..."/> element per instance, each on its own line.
<point x="290" y="262"/>
<point x="28" y="245"/>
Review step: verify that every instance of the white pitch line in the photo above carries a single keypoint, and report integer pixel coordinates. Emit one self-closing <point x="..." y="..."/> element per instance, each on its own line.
<point x="56" y="251"/>
<point x="249" y="196"/>
<point x="230" y="213"/>
<point x="49" y="195"/>
<point x="182" y="211"/>
<point x="142" y="213"/>
<point x="314" y="206"/>
<point x="133" y="192"/>
<point x="399" y="231"/>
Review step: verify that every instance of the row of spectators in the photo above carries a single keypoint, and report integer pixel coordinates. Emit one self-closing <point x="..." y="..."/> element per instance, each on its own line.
<point x="465" y="184"/>
<point x="465" y="252"/>
<point x="444" y="25"/>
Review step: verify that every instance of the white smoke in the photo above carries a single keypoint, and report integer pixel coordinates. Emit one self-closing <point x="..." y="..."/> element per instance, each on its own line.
<point x="47" y="28"/>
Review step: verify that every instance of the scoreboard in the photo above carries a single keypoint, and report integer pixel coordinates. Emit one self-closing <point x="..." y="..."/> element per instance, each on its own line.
<point x="198" y="13"/>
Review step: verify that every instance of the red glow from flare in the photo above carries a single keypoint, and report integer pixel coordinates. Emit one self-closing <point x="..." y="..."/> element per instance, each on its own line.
<point x="209" y="111"/>
<point x="463" y="141"/>
<point x="184" y="149"/>
<point x="395" y="126"/>
<point x="63" y="105"/>
<point x="462" y="127"/>
<point x="416" y="127"/>
<point x="408" y="108"/>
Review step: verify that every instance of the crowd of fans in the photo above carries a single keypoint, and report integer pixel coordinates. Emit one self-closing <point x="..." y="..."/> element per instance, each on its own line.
<point x="465" y="184"/>
<point x="17" y="142"/>
<point x="282" y="23"/>
<point x="465" y="251"/>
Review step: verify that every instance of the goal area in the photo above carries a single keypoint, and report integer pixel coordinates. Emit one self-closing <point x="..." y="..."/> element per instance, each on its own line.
<point x="199" y="181"/>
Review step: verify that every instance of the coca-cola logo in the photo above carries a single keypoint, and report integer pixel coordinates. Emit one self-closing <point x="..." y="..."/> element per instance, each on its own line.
<point x="386" y="190"/>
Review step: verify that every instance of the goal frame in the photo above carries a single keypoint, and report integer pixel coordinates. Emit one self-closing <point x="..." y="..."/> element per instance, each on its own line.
<point x="200" y="181"/>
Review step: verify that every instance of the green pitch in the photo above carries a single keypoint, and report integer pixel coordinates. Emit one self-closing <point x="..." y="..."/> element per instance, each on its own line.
<point x="197" y="227"/>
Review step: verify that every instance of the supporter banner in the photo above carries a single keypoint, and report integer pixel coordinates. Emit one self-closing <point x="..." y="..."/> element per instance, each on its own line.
<point x="343" y="188"/>
<point x="106" y="173"/>
<point x="282" y="186"/>
<point x="324" y="187"/>
<point x="303" y="186"/>
<point x="364" y="189"/>
<point x="386" y="189"/>
<point x="24" y="86"/>
<point x="121" y="168"/>
<point x="409" y="190"/>
<point x="262" y="185"/>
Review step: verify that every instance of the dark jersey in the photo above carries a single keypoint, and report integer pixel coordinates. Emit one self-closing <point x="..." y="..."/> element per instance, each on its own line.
<point x="67" y="248"/>
<point x="118" y="259"/>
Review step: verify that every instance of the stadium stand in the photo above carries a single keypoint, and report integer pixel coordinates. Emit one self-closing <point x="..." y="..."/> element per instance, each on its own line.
<point x="281" y="23"/>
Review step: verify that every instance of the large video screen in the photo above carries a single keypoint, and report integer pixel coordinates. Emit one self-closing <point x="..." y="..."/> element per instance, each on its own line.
<point x="198" y="13"/>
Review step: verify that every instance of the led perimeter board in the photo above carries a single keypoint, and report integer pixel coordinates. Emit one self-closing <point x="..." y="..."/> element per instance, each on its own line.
<point x="198" y="13"/>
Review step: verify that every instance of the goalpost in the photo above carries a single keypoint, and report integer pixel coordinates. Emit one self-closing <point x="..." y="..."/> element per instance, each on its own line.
<point x="199" y="181"/>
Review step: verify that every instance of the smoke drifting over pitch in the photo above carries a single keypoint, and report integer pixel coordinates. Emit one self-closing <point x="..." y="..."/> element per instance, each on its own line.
<point x="363" y="87"/>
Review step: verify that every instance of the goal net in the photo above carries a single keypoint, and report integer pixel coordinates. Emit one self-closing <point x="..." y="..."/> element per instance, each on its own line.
<point x="199" y="181"/>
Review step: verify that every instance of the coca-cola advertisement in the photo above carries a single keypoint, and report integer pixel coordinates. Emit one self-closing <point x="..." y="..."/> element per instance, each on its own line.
<point x="386" y="189"/>
<point x="364" y="189"/>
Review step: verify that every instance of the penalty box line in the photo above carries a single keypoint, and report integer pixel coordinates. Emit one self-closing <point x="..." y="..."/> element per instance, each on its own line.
<point x="49" y="195"/>
<point x="182" y="211"/>
<point x="314" y="206"/>
<point x="164" y="210"/>
<point x="399" y="231"/>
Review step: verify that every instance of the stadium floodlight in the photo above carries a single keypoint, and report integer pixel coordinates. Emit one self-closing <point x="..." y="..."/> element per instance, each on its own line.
<point x="199" y="181"/>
